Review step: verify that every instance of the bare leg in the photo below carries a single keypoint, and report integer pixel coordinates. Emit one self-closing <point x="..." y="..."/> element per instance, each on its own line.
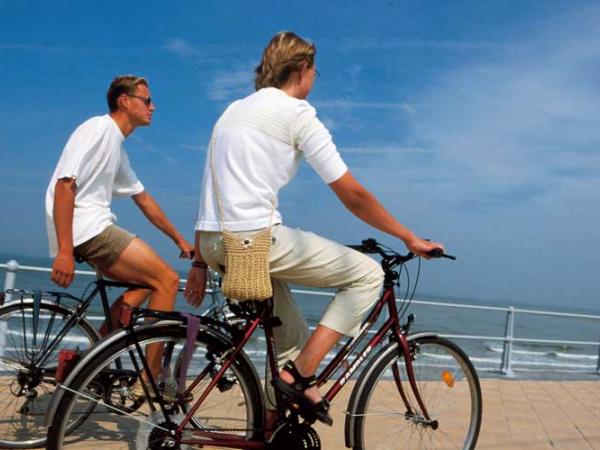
<point x="132" y="297"/>
<point x="316" y="348"/>
<point x="139" y="263"/>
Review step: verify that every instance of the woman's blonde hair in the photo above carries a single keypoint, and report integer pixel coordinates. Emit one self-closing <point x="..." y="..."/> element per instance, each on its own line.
<point x="285" y="53"/>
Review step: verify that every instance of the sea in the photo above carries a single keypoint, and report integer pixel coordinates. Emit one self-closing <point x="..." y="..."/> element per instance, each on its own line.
<point x="566" y="358"/>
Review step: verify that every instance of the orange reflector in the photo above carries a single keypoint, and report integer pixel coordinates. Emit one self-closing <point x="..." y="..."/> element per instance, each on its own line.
<point x="448" y="378"/>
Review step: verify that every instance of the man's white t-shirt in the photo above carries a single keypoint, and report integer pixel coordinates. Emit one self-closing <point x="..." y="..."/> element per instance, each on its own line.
<point x="258" y="144"/>
<point x="95" y="158"/>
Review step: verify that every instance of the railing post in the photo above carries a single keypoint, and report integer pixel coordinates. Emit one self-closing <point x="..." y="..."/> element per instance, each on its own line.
<point x="508" y="342"/>
<point x="598" y="365"/>
<point x="11" y="275"/>
<point x="9" y="283"/>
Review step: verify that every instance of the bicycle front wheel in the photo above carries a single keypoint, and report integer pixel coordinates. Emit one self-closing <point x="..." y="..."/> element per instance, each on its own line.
<point x="388" y="415"/>
<point x="28" y="365"/>
<point x="233" y="406"/>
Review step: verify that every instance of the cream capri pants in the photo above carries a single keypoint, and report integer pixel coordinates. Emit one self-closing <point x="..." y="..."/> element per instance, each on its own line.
<point x="304" y="258"/>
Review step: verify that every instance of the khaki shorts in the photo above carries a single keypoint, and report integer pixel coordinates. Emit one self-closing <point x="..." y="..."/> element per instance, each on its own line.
<point x="104" y="249"/>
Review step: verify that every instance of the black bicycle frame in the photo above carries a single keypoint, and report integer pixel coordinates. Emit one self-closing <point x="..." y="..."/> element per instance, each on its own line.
<point x="79" y="310"/>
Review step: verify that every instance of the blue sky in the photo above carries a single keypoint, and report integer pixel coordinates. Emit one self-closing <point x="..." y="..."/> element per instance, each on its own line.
<point x="476" y="123"/>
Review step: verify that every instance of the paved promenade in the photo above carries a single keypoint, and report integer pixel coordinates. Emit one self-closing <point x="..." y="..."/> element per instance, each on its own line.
<point x="517" y="415"/>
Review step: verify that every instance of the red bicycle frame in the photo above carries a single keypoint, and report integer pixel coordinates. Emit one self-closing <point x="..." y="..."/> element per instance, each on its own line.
<point x="391" y="327"/>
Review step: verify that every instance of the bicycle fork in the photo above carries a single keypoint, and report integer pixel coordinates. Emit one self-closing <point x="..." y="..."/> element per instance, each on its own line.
<point x="410" y="414"/>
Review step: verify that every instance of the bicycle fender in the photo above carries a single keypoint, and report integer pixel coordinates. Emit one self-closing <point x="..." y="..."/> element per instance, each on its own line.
<point x="85" y="358"/>
<point x="359" y="387"/>
<point x="28" y="301"/>
<point x="106" y="342"/>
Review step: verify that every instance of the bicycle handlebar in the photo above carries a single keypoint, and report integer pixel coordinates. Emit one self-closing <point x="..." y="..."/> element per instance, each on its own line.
<point x="372" y="246"/>
<point x="439" y="253"/>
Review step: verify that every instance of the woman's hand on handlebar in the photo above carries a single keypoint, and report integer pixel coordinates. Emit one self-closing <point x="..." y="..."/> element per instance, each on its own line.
<point x="421" y="247"/>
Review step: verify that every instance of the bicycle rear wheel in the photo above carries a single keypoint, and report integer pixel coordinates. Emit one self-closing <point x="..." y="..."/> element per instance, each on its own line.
<point x="26" y="385"/>
<point x="449" y="388"/>
<point x="233" y="406"/>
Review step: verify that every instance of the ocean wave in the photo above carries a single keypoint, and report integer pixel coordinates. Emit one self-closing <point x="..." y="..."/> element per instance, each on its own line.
<point x="544" y="353"/>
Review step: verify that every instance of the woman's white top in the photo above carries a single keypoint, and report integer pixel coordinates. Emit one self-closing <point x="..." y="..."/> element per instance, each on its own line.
<point x="95" y="158"/>
<point x="258" y="144"/>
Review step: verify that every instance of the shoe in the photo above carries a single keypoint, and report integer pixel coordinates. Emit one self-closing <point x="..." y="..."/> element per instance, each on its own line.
<point x="294" y="395"/>
<point x="137" y="393"/>
<point x="169" y="395"/>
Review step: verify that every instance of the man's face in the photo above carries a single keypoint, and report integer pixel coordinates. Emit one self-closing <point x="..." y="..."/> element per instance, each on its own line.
<point x="140" y="107"/>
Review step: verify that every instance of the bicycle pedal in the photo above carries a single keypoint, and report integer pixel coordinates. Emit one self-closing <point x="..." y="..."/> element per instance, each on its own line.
<point x="225" y="385"/>
<point x="272" y="322"/>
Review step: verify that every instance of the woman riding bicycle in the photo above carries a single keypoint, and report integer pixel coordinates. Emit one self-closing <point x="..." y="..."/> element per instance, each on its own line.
<point x="256" y="147"/>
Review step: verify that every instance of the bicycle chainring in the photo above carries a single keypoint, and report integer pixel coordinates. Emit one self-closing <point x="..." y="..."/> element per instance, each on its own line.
<point x="117" y="388"/>
<point x="294" y="436"/>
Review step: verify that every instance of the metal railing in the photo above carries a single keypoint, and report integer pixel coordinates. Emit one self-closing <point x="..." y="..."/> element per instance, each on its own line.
<point x="508" y="339"/>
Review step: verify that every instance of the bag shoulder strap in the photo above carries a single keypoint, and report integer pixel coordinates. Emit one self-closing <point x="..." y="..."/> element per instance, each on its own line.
<point x="213" y="171"/>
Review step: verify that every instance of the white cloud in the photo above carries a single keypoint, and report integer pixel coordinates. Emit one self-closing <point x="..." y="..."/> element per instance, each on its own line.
<point x="329" y="122"/>
<point x="231" y="85"/>
<point x="35" y="47"/>
<point x="190" y="52"/>
<point x="194" y="147"/>
<point x="357" y="104"/>
<point x="373" y="43"/>
<point x="524" y="125"/>
<point x="182" y="48"/>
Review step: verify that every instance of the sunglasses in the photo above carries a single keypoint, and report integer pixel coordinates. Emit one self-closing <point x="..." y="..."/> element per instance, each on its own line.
<point x="147" y="100"/>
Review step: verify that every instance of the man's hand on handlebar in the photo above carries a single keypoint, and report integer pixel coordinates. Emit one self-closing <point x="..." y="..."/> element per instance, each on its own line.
<point x="186" y="249"/>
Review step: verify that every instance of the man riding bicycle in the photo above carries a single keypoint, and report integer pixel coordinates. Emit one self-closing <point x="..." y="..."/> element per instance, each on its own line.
<point x="92" y="169"/>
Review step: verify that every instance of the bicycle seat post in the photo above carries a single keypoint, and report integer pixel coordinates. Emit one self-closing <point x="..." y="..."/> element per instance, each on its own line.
<point x="101" y="286"/>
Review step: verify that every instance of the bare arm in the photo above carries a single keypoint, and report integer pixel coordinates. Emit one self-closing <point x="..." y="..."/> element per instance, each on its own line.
<point x="366" y="207"/>
<point x="63" y="267"/>
<point x="157" y="217"/>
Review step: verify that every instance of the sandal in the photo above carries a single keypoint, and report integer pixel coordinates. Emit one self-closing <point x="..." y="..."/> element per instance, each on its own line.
<point x="294" y="395"/>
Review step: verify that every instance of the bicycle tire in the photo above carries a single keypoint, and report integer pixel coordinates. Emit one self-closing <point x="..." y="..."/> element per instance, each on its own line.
<point x="239" y="407"/>
<point x="448" y="385"/>
<point x="22" y="420"/>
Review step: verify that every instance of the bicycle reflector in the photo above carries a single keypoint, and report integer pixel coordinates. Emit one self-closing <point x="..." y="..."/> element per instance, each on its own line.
<point x="448" y="378"/>
<point x="66" y="360"/>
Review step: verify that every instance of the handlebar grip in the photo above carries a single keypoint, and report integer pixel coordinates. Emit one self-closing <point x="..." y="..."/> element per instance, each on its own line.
<point x="439" y="253"/>
<point x="367" y="246"/>
<point x="355" y="247"/>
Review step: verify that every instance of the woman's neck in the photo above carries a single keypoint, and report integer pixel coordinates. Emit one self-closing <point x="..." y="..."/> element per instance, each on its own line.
<point x="294" y="88"/>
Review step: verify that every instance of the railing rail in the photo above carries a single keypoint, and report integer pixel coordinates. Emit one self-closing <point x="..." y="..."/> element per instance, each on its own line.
<point x="506" y="368"/>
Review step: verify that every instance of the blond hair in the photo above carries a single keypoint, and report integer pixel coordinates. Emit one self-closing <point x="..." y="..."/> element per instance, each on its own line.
<point x="123" y="84"/>
<point x="285" y="53"/>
